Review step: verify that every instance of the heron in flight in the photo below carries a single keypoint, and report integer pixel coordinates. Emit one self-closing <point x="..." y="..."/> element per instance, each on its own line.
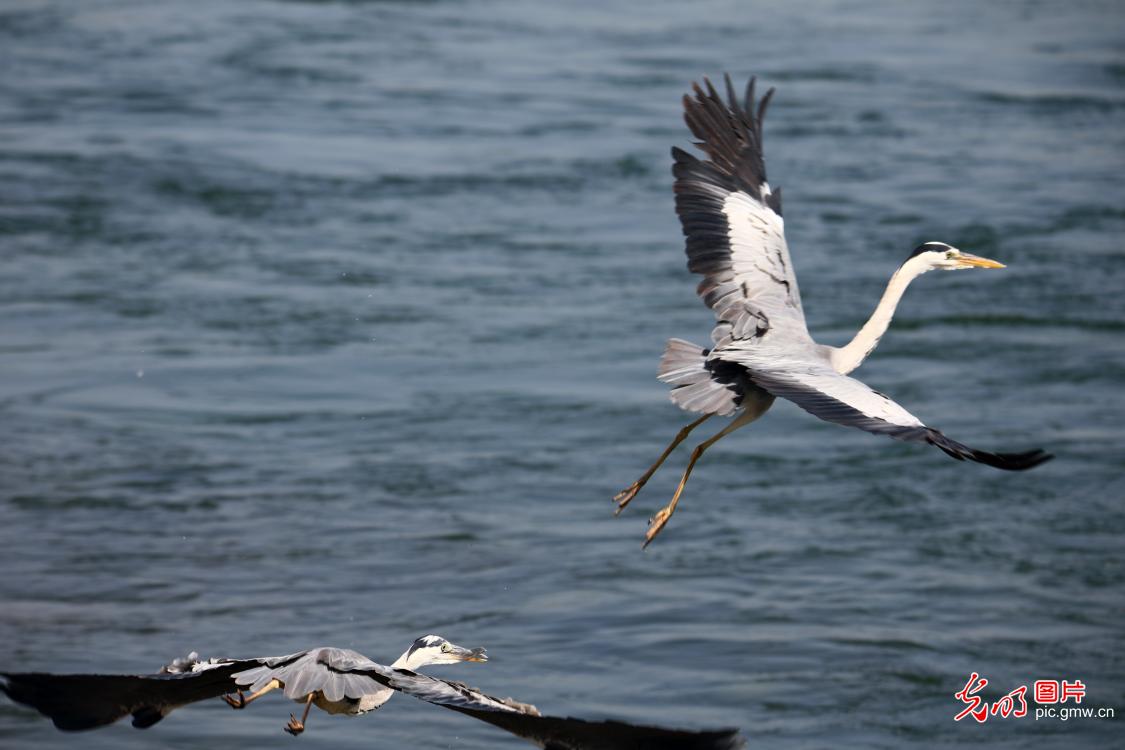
<point x="312" y="677"/>
<point x="761" y="348"/>
<point x="338" y="681"/>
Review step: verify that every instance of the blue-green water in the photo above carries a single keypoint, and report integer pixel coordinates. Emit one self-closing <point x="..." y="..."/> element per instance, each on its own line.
<point x="337" y="323"/>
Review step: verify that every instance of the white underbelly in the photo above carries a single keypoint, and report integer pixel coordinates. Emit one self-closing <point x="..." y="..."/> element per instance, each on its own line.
<point x="350" y="707"/>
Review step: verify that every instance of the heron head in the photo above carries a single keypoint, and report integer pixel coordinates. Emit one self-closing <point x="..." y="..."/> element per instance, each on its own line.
<point x="433" y="649"/>
<point x="942" y="257"/>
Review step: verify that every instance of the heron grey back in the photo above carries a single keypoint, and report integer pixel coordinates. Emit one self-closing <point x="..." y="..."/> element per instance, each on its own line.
<point x="326" y="670"/>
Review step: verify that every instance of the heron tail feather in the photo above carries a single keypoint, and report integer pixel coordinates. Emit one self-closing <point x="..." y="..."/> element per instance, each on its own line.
<point x="696" y="385"/>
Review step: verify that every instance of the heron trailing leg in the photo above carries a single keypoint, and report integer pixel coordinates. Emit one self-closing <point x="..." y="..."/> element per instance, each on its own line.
<point x="623" y="497"/>
<point x="241" y="700"/>
<point x="295" y="727"/>
<point x="752" y="409"/>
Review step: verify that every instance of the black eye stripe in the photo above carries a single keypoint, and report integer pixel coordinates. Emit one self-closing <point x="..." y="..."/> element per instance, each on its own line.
<point x="930" y="247"/>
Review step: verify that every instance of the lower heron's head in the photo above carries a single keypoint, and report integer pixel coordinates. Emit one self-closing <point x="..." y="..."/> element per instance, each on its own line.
<point x="433" y="649"/>
<point x="930" y="256"/>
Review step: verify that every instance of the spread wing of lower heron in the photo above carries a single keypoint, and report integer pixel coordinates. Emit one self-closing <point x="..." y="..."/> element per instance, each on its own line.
<point x="761" y="348"/>
<point x="338" y="681"/>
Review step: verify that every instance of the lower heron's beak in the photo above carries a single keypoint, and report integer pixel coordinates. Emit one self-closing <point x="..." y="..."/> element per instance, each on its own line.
<point x="465" y="654"/>
<point x="974" y="261"/>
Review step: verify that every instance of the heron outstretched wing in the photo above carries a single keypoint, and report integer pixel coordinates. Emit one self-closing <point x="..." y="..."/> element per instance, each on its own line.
<point x="731" y="218"/>
<point x="85" y="701"/>
<point x="814" y="386"/>
<point x="552" y="732"/>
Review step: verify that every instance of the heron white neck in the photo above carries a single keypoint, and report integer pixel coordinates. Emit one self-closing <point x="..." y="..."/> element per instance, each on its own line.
<point x="403" y="662"/>
<point x="847" y="358"/>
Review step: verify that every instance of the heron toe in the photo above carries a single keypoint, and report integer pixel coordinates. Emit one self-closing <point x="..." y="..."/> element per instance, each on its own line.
<point x="235" y="702"/>
<point x="294" y="727"/>
<point x="656" y="525"/>
<point x="623" y="497"/>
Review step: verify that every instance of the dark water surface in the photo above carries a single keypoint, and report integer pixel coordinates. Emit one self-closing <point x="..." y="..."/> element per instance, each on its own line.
<point x="337" y="323"/>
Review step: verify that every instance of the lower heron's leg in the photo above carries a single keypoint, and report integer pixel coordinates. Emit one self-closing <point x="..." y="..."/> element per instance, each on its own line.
<point x="242" y="700"/>
<point x="623" y="497"/>
<point x="661" y="518"/>
<point x="295" y="727"/>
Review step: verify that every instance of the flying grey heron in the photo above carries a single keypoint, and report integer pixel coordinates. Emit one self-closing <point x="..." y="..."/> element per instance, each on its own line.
<point x="761" y="348"/>
<point x="336" y="680"/>
<point x="314" y="677"/>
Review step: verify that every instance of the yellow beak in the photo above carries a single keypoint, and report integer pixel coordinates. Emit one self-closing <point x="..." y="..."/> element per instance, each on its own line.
<point x="974" y="261"/>
<point x="476" y="654"/>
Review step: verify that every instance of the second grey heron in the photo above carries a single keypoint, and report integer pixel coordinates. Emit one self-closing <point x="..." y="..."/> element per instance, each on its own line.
<point x="330" y="678"/>
<point x="761" y="348"/>
<point x="316" y="677"/>
<point x="337" y="680"/>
